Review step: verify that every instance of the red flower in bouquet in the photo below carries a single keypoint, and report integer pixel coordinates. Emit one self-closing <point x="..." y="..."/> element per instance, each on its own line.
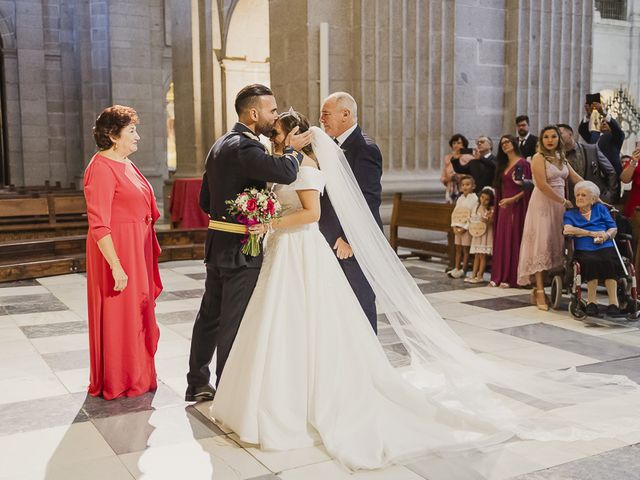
<point x="251" y="207"/>
<point x="252" y="204"/>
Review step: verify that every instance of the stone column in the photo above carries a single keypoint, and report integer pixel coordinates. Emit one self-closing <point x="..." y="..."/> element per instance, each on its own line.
<point x="33" y="95"/>
<point x="192" y="84"/>
<point x="395" y="58"/>
<point x="548" y="61"/>
<point x="12" y="92"/>
<point x="137" y="78"/>
<point x="92" y="57"/>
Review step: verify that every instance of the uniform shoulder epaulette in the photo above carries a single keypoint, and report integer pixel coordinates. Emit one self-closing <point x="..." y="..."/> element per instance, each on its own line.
<point x="252" y="136"/>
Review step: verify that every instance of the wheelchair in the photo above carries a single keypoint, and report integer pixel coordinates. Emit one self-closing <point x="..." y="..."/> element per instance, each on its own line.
<point x="568" y="280"/>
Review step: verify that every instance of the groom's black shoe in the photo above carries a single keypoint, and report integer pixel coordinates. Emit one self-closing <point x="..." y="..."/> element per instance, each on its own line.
<point x="199" y="394"/>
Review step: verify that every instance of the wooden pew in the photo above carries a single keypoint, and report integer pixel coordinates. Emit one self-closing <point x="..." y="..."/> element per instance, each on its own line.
<point x="22" y="218"/>
<point x="423" y="216"/>
<point x="33" y="258"/>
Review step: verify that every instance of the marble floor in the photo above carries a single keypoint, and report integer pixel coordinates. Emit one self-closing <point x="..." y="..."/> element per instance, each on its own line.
<point x="50" y="428"/>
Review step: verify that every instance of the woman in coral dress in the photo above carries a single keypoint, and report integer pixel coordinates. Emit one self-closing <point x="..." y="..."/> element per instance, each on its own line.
<point x="542" y="239"/>
<point x="511" y="207"/>
<point x="123" y="279"/>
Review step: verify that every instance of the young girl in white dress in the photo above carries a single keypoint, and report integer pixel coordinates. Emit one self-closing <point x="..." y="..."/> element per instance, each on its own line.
<point x="481" y="230"/>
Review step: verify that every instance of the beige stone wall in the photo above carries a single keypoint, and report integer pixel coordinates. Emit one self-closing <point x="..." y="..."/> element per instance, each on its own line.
<point x="65" y="61"/>
<point x="422" y="70"/>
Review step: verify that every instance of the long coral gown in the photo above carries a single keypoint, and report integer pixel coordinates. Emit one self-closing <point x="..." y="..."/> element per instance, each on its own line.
<point x="123" y="333"/>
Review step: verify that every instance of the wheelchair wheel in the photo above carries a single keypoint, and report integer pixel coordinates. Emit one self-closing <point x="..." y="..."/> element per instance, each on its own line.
<point x="556" y="292"/>
<point x="577" y="309"/>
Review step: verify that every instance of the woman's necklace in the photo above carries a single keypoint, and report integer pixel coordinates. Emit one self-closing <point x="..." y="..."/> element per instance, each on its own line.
<point x="586" y="213"/>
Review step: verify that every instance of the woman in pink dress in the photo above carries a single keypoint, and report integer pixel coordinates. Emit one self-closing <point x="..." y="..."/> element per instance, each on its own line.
<point x="510" y="209"/>
<point x="542" y="239"/>
<point x="123" y="280"/>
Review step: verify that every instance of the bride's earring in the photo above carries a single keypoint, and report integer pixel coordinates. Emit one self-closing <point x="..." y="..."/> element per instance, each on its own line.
<point x="115" y="147"/>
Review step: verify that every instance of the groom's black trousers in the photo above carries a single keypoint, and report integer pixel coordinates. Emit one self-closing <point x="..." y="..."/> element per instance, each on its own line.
<point x="226" y="296"/>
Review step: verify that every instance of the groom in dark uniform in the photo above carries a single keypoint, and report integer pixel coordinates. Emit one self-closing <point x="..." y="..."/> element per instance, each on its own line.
<point x="236" y="161"/>
<point x="339" y="117"/>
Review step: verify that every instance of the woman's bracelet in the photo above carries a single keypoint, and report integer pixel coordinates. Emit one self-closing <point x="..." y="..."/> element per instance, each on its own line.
<point x="115" y="262"/>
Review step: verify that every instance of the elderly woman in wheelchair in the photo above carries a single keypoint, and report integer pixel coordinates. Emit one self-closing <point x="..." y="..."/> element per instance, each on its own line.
<point x="593" y="229"/>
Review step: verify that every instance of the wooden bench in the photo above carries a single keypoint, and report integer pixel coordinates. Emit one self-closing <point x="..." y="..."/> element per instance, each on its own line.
<point x="422" y="216"/>
<point x="37" y="217"/>
<point x="33" y="258"/>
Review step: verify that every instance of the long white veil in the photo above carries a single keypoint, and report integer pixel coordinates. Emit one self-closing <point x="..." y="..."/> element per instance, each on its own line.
<point x="442" y="364"/>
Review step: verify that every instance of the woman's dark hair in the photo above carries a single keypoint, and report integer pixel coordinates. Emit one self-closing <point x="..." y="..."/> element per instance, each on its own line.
<point x="502" y="160"/>
<point x="111" y="122"/>
<point x="291" y="119"/>
<point x="459" y="136"/>
<point x="490" y="193"/>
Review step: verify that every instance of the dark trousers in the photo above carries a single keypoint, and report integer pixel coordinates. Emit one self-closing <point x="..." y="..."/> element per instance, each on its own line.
<point x="362" y="289"/>
<point x="226" y="296"/>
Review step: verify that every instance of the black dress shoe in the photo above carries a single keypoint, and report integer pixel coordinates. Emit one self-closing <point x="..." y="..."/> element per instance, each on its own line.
<point x="613" y="311"/>
<point x="591" y="310"/>
<point x="199" y="394"/>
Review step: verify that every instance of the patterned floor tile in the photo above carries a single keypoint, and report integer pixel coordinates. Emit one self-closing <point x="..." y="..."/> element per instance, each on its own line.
<point x="71" y="360"/>
<point x="38" y="414"/>
<point x="629" y="367"/>
<point x="502" y="303"/>
<point x="571" y="341"/>
<point x="134" y="432"/>
<point x="31" y="304"/>
<point x="55" y="329"/>
<point x="97" y="407"/>
<point x="620" y="464"/>
<point x="172" y="318"/>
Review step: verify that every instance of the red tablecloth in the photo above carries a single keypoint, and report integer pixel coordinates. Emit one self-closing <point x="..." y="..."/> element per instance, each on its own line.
<point x="184" y="206"/>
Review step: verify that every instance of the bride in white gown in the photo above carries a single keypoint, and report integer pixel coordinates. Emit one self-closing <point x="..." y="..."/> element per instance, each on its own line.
<point x="306" y="367"/>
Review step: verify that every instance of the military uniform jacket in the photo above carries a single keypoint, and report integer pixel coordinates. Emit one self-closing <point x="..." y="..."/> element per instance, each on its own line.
<point x="238" y="161"/>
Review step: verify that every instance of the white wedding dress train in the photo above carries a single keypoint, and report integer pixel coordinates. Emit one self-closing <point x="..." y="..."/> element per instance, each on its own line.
<point x="306" y="365"/>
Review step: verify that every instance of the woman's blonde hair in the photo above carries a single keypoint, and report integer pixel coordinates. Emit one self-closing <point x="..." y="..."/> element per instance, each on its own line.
<point x="548" y="154"/>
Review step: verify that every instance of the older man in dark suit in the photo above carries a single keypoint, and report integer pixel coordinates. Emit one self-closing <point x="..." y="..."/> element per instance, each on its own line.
<point x="236" y="161"/>
<point x="339" y="117"/>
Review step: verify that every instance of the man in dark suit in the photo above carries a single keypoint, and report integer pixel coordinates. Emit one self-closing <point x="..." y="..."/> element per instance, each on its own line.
<point x="591" y="164"/>
<point x="339" y="117"/>
<point x="236" y="161"/>
<point x="482" y="165"/>
<point x="610" y="138"/>
<point x="527" y="142"/>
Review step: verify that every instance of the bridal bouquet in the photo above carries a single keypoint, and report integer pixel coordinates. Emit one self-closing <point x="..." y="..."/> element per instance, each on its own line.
<point x="251" y="207"/>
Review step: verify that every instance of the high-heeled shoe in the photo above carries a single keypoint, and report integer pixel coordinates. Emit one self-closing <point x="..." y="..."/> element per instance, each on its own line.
<point x="541" y="300"/>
